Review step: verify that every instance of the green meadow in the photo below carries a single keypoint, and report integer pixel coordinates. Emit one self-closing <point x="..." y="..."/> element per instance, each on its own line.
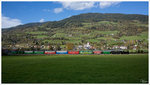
<point x="75" y="69"/>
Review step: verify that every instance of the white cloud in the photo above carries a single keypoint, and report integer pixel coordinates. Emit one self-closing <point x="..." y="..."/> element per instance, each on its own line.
<point x="58" y="10"/>
<point x="105" y="4"/>
<point x="42" y="20"/>
<point x="78" y="5"/>
<point x="7" y="22"/>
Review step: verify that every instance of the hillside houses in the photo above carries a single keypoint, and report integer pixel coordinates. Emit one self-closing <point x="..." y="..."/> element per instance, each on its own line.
<point x="119" y="47"/>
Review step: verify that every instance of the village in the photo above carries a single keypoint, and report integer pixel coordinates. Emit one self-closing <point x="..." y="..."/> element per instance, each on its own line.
<point x="70" y="46"/>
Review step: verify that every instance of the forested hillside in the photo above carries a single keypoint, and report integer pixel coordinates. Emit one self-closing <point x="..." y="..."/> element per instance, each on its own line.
<point x="103" y="31"/>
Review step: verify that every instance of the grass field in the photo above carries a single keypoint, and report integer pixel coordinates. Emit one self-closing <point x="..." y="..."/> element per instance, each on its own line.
<point x="75" y="69"/>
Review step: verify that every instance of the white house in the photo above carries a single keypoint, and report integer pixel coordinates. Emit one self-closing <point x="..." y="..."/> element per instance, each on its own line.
<point x="115" y="47"/>
<point x="123" y="47"/>
<point x="87" y="46"/>
<point x="80" y="47"/>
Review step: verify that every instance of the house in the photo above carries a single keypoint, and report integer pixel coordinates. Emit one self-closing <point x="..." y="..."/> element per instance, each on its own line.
<point x="123" y="47"/>
<point x="79" y="47"/>
<point x="119" y="47"/>
<point x="87" y="46"/>
<point x="115" y="47"/>
<point x="135" y="47"/>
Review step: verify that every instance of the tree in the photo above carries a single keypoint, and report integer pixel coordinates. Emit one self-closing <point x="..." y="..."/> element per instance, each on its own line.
<point x="57" y="47"/>
<point x="69" y="46"/>
<point x="51" y="47"/>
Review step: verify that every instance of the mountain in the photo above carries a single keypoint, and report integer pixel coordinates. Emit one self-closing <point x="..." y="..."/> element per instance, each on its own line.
<point x="101" y="30"/>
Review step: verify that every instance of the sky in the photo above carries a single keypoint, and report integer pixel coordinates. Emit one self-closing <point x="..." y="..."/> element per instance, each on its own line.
<point x="19" y="13"/>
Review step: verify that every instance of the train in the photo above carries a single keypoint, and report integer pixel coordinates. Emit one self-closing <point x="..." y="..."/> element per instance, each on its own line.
<point x="69" y="52"/>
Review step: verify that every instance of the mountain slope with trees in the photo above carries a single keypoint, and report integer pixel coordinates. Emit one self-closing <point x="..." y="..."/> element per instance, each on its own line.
<point x="103" y="31"/>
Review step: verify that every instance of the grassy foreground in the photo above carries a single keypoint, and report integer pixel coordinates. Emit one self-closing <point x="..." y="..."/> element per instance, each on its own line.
<point x="75" y="69"/>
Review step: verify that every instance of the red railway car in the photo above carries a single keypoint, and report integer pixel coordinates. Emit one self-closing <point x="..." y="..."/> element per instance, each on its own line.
<point x="50" y="52"/>
<point x="73" y="52"/>
<point x="97" y="52"/>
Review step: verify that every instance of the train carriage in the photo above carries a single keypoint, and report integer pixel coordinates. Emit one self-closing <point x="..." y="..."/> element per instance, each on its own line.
<point x="116" y="52"/>
<point x="119" y="52"/>
<point x="61" y="52"/>
<point x="125" y="52"/>
<point x="28" y="52"/>
<point x="97" y="52"/>
<point x="20" y="52"/>
<point x="73" y="52"/>
<point x="49" y="52"/>
<point x="106" y="52"/>
<point x="86" y="52"/>
<point x="38" y="52"/>
<point x="13" y="52"/>
<point x="6" y="52"/>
